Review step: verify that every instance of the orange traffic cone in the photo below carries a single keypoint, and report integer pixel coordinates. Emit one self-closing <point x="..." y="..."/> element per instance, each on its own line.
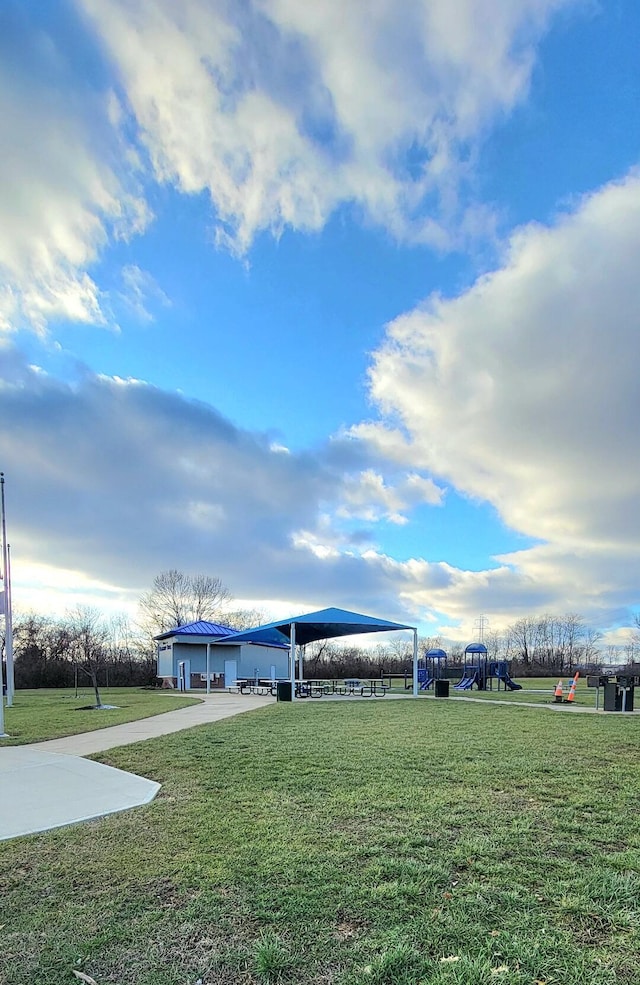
<point x="571" y="697"/>
<point x="559" y="691"/>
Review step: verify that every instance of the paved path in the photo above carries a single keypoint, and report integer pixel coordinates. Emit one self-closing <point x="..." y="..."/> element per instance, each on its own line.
<point x="212" y="708"/>
<point x="49" y="785"/>
<point x="43" y="790"/>
<point x="539" y="705"/>
<point x="570" y="709"/>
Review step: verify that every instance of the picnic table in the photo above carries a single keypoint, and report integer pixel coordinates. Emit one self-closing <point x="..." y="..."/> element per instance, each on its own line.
<point x="367" y="687"/>
<point x="310" y="689"/>
<point x="249" y="685"/>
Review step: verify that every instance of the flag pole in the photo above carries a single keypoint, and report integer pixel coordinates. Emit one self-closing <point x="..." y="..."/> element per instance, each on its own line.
<point x="8" y="622"/>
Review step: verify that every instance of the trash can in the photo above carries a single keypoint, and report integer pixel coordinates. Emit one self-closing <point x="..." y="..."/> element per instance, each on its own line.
<point x="441" y="689"/>
<point x="283" y="691"/>
<point x="612" y="700"/>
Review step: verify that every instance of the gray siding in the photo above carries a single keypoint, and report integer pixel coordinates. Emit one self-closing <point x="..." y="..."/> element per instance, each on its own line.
<point x="252" y="660"/>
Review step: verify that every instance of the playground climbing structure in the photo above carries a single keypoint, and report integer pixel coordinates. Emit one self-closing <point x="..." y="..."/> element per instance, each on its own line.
<point x="481" y="672"/>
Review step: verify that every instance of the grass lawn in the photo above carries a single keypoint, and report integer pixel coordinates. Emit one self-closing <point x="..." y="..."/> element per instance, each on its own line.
<point x="50" y="713"/>
<point x="373" y="843"/>
<point x="537" y="690"/>
<point x="537" y="693"/>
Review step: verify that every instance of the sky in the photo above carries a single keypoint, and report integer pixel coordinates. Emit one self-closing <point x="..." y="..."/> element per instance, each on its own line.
<point x="338" y="302"/>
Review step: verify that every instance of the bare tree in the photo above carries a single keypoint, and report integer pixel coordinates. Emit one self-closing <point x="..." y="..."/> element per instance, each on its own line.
<point x="520" y="640"/>
<point x="42" y="646"/>
<point x="494" y="644"/>
<point x="242" y="619"/>
<point x="177" y="599"/>
<point x="592" y="657"/>
<point x="552" y="644"/>
<point x="89" y="644"/>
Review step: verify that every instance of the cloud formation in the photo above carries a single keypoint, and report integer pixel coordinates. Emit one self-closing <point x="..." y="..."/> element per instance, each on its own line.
<point x="368" y="497"/>
<point x="141" y="293"/>
<point x="63" y="192"/>
<point x="522" y="392"/>
<point x="118" y="480"/>
<point x="283" y="110"/>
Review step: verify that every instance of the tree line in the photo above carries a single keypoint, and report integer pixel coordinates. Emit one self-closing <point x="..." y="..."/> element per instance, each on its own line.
<point x="534" y="646"/>
<point x="547" y="644"/>
<point x="82" y="647"/>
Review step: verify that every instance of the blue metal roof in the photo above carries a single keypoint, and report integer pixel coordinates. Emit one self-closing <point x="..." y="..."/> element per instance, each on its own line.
<point x="200" y="628"/>
<point x="217" y="633"/>
<point x="322" y="625"/>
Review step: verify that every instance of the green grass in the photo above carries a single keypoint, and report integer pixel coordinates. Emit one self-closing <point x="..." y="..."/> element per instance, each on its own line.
<point x="535" y="690"/>
<point x="372" y="843"/>
<point x="536" y="693"/>
<point x="54" y="712"/>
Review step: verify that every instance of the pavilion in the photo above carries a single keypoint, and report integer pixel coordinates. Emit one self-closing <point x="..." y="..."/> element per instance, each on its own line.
<point x="322" y="625"/>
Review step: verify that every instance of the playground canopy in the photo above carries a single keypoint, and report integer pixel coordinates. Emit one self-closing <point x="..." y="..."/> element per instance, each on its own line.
<point x="324" y="624"/>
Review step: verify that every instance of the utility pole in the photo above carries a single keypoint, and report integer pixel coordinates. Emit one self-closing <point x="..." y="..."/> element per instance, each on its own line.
<point x="8" y="622"/>
<point x="3" y="599"/>
<point x="482" y="621"/>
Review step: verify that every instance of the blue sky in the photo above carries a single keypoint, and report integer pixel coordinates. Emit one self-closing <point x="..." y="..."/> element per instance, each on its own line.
<point x="338" y="303"/>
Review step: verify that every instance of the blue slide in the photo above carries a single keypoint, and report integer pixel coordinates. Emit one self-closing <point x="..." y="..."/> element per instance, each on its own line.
<point x="503" y="675"/>
<point x="466" y="683"/>
<point x="426" y="684"/>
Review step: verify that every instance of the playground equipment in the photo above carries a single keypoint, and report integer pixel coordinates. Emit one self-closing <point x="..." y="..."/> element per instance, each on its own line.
<point x="481" y="671"/>
<point x="432" y="667"/>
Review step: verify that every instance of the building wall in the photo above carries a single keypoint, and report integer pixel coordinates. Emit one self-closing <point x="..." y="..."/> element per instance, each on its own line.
<point x="262" y="658"/>
<point x="251" y="660"/>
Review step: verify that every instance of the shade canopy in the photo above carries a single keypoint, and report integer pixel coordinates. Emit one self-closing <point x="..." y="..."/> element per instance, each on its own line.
<point x="322" y="625"/>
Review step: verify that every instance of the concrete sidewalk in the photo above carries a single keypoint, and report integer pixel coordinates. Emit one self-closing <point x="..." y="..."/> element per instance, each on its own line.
<point x="43" y="790"/>
<point x="213" y="708"/>
<point x="48" y="785"/>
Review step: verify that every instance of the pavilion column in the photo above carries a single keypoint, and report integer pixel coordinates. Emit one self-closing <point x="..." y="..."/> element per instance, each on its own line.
<point x="292" y="660"/>
<point x="208" y="668"/>
<point x="415" y="663"/>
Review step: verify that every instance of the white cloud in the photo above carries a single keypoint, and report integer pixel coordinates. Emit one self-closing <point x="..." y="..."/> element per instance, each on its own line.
<point x="523" y="392"/>
<point x="368" y="497"/>
<point x="51" y="589"/>
<point x="283" y="110"/>
<point x="112" y="480"/>
<point x="117" y="480"/>
<point x="141" y="293"/>
<point x="61" y="194"/>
